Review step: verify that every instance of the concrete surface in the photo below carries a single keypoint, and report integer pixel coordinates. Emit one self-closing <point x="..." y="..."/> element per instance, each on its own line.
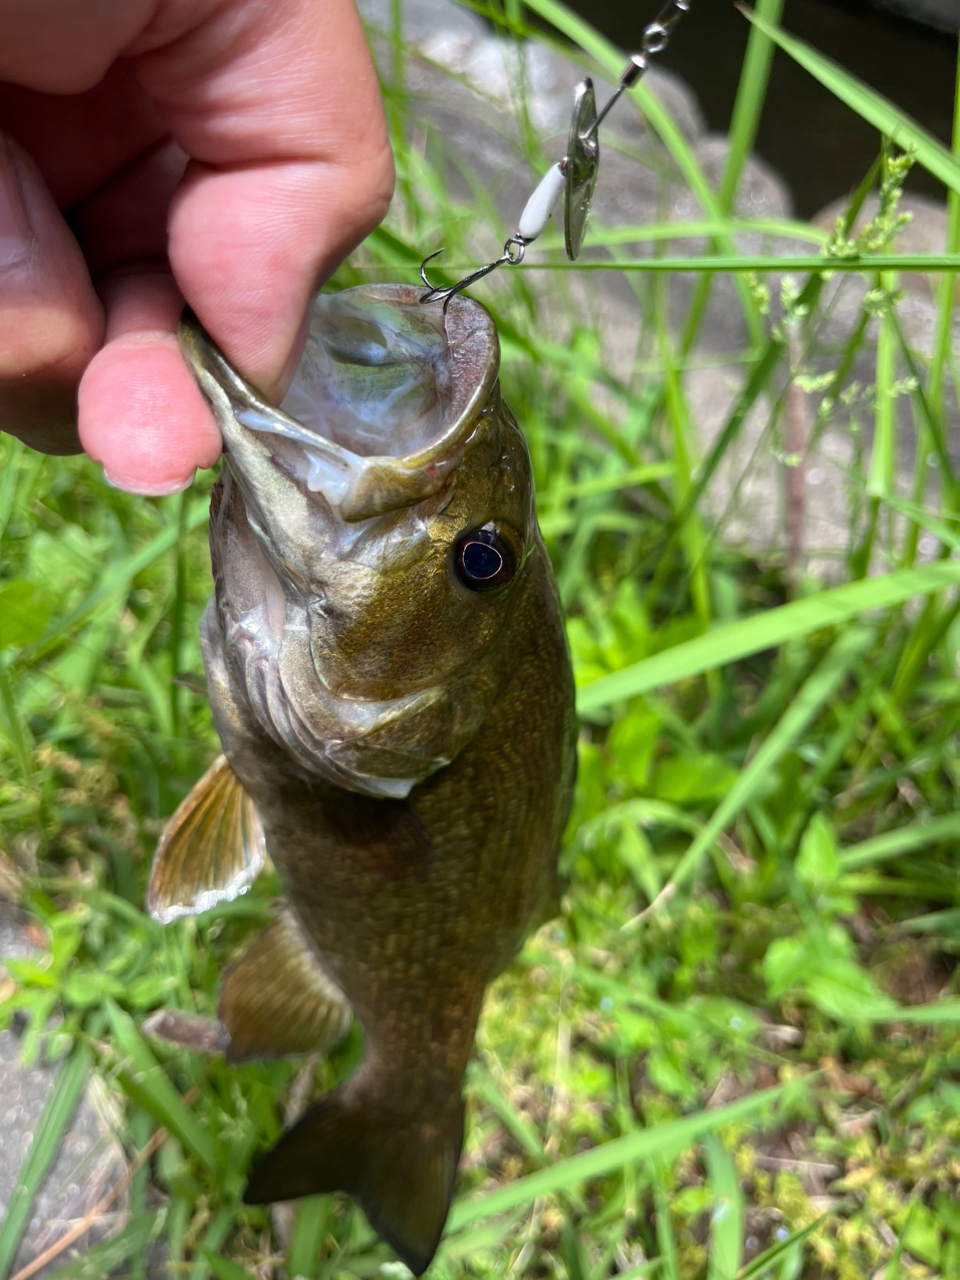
<point x="90" y="1159"/>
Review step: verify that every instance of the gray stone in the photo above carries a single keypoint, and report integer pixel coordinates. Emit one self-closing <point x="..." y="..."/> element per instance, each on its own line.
<point x="787" y="485"/>
<point x="924" y="233"/>
<point x="457" y="40"/>
<point x="421" y="18"/>
<point x="503" y="68"/>
<point x="829" y="508"/>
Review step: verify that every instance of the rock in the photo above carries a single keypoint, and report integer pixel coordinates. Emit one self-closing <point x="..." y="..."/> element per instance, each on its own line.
<point x="499" y="67"/>
<point x="422" y="19"/>
<point x="926" y="232"/>
<point x="853" y="422"/>
<point x="787" y="483"/>
<point x="461" y="42"/>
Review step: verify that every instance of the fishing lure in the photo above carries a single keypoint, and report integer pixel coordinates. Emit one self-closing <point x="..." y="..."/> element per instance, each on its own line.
<point x="575" y="176"/>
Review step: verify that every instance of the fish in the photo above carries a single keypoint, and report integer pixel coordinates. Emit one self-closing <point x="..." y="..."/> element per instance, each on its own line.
<point x="389" y="677"/>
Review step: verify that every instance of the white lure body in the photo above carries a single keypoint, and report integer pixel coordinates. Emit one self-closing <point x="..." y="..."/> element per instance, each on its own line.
<point x="539" y="207"/>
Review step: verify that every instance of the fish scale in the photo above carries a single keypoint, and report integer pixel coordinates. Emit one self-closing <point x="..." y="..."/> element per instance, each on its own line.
<point x="396" y="711"/>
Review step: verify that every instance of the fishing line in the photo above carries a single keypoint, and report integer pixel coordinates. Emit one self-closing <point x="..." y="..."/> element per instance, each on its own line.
<point x="575" y="176"/>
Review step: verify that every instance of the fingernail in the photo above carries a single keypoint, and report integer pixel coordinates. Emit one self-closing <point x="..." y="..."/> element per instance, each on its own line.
<point x="16" y="239"/>
<point x="147" y="490"/>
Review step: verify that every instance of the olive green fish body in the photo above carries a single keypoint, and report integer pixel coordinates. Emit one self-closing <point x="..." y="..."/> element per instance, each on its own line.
<point x="415" y="904"/>
<point x="390" y="680"/>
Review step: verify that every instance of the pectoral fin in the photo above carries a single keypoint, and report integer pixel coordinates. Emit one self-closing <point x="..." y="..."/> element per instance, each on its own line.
<point x="400" y="1173"/>
<point x="211" y="850"/>
<point x="277" y="1000"/>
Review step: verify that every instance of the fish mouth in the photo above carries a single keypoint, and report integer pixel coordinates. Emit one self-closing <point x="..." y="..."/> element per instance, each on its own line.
<point x="382" y="406"/>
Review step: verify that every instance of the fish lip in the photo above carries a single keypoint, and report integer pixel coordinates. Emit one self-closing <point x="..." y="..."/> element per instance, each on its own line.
<point x="360" y="487"/>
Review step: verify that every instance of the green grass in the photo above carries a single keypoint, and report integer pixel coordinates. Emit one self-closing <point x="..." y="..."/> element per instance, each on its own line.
<point x="737" y="1051"/>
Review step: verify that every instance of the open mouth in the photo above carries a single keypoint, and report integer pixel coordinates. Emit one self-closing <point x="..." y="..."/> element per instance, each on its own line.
<point x="375" y="375"/>
<point x="382" y="406"/>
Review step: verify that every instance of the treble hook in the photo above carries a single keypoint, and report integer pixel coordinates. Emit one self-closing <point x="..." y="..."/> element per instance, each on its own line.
<point x="513" y="251"/>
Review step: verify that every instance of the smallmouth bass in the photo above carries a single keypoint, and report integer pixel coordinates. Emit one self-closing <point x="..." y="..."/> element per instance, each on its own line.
<point x="390" y="681"/>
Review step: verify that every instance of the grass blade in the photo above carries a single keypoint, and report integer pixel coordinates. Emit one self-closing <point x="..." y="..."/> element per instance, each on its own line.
<point x="11" y="724"/>
<point x="313" y="1222"/>
<point x="891" y="844"/>
<point x="749" y="101"/>
<point x="666" y="1240"/>
<point x="106" y="1258"/>
<point x="820" y="686"/>
<point x="744" y="263"/>
<point x="947" y="299"/>
<point x="661" y="1141"/>
<point x="926" y="1015"/>
<point x="870" y="105"/>
<point x="145" y="1081"/>
<point x="213" y="1241"/>
<point x="734" y="640"/>
<point x="227" y="1269"/>
<point x="726" y="1217"/>
<point x="760" y="1264"/>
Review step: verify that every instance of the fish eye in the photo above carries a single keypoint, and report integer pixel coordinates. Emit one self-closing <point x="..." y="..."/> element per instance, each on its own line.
<point x="487" y="558"/>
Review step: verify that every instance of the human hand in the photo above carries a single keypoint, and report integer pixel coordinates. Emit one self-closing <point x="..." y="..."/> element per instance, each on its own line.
<point x="226" y="152"/>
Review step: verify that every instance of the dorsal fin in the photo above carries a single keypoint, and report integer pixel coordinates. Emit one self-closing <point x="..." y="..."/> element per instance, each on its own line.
<point x="277" y="1000"/>
<point x="211" y="850"/>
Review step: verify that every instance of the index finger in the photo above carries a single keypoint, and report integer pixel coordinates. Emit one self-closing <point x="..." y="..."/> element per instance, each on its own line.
<point x="279" y="109"/>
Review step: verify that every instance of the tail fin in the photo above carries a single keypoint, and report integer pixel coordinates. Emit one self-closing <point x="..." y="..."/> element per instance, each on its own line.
<point x="401" y="1174"/>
